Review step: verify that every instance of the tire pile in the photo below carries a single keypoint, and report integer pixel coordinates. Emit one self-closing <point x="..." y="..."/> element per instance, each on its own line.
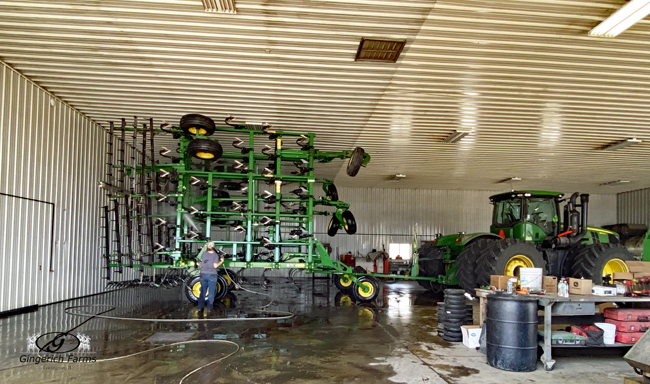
<point x="452" y="314"/>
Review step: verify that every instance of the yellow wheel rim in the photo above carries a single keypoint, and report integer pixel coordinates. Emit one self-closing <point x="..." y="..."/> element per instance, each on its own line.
<point x="204" y="155"/>
<point x="196" y="289"/>
<point x="228" y="279"/>
<point x="516" y="262"/>
<point x="345" y="281"/>
<point x="369" y="293"/>
<point x="194" y="131"/>
<point x="345" y="301"/>
<point x="615" y="265"/>
<point x="345" y="224"/>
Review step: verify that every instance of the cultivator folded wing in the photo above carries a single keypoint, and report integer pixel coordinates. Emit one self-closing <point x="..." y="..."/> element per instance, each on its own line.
<point x="256" y="202"/>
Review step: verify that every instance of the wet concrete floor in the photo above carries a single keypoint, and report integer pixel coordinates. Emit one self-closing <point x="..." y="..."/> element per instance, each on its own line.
<point x="331" y="339"/>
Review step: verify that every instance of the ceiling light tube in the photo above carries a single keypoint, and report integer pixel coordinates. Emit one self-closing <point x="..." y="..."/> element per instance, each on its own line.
<point x="622" y="19"/>
<point x="509" y="179"/>
<point x="622" y="144"/>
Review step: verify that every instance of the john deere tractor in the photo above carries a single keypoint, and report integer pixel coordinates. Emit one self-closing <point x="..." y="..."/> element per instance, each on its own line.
<point x="529" y="230"/>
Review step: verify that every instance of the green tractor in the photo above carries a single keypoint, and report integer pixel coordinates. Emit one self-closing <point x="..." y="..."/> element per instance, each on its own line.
<point x="526" y="232"/>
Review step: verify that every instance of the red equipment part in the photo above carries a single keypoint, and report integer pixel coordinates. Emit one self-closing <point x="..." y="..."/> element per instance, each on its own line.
<point x="628" y="337"/>
<point x="627" y="314"/>
<point x="629" y="326"/>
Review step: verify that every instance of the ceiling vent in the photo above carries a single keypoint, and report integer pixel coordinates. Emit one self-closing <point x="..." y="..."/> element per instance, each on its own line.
<point x="386" y="51"/>
<point x="219" y="6"/>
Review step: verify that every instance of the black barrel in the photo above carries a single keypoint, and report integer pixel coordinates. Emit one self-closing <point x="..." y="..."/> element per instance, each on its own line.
<point x="511" y="332"/>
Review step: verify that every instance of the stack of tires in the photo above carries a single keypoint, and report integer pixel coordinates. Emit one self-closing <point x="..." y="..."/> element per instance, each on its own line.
<point x="454" y="313"/>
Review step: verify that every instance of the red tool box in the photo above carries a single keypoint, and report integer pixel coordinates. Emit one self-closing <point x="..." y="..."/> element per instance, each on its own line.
<point x="628" y="337"/>
<point x="627" y="314"/>
<point x="629" y="326"/>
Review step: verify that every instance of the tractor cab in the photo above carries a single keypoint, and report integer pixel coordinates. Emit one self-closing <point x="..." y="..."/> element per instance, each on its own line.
<point x="531" y="216"/>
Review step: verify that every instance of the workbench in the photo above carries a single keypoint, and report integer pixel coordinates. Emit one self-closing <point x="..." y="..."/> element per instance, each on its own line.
<point x="575" y="305"/>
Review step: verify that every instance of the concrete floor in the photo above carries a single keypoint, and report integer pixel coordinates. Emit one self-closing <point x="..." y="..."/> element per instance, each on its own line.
<point x="330" y="340"/>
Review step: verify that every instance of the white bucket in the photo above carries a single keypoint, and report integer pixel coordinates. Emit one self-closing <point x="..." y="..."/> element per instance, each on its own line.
<point x="610" y="332"/>
<point x="531" y="278"/>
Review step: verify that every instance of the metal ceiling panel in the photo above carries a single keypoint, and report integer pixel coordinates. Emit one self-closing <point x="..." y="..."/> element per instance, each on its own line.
<point x="538" y="95"/>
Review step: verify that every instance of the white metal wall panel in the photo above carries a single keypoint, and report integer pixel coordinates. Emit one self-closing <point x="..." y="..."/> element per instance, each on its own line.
<point x="387" y="216"/>
<point x="634" y="207"/>
<point x="49" y="152"/>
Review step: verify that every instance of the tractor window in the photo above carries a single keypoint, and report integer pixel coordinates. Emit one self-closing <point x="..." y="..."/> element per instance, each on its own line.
<point x="541" y="212"/>
<point x="507" y="213"/>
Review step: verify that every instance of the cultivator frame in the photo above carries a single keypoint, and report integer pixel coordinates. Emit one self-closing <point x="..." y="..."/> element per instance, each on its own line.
<point x="256" y="228"/>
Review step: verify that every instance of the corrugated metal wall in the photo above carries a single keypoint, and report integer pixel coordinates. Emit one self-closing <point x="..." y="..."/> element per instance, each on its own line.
<point x="387" y="216"/>
<point x="634" y="207"/>
<point x="49" y="152"/>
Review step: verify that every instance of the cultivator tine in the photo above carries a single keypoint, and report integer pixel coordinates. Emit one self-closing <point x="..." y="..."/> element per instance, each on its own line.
<point x="107" y="239"/>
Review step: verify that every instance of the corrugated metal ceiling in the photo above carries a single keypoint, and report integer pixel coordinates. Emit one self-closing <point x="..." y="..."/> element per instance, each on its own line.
<point x="538" y="94"/>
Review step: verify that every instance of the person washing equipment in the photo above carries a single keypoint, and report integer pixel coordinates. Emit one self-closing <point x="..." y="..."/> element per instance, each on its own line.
<point x="210" y="261"/>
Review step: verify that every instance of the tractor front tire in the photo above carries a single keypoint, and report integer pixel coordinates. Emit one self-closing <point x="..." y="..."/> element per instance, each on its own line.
<point x="466" y="272"/>
<point x="597" y="260"/>
<point x="505" y="257"/>
<point x="430" y="264"/>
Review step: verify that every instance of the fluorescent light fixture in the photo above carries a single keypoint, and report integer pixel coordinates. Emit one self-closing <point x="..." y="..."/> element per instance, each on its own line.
<point x="397" y="177"/>
<point x="509" y="179"/>
<point x="614" y="183"/>
<point x="622" y="144"/>
<point x="622" y="19"/>
<point x="476" y="93"/>
<point x="455" y="136"/>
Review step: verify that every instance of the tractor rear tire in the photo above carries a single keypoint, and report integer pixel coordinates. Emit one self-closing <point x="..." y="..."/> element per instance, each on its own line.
<point x="349" y="223"/>
<point x="497" y="257"/>
<point x="431" y="265"/>
<point x="205" y="149"/>
<point x="466" y="264"/>
<point x="356" y="159"/>
<point x="194" y="123"/>
<point x="593" y="259"/>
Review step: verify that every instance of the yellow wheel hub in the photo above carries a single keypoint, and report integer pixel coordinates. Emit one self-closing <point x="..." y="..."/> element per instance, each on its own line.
<point x="194" y="131"/>
<point x="196" y="289"/>
<point x="345" y="281"/>
<point x="204" y="155"/>
<point x="615" y="265"/>
<point x="516" y="262"/>
<point x="370" y="289"/>
<point x="345" y="224"/>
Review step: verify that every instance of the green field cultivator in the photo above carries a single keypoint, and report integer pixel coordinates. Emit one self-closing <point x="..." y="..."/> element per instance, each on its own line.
<point x="256" y="202"/>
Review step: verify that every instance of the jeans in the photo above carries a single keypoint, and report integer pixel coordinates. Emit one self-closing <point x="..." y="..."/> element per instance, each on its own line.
<point x="209" y="283"/>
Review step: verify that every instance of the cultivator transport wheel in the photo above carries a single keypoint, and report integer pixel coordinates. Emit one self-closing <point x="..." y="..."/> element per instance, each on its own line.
<point x="195" y="124"/>
<point x="466" y="264"/>
<point x="332" y="193"/>
<point x="372" y="289"/>
<point x="505" y="257"/>
<point x="430" y="265"/>
<point x="205" y="149"/>
<point x="343" y="283"/>
<point x="193" y="289"/>
<point x="333" y="227"/>
<point x="354" y="164"/>
<point x="229" y="276"/>
<point x="349" y="223"/>
<point x="597" y="260"/>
